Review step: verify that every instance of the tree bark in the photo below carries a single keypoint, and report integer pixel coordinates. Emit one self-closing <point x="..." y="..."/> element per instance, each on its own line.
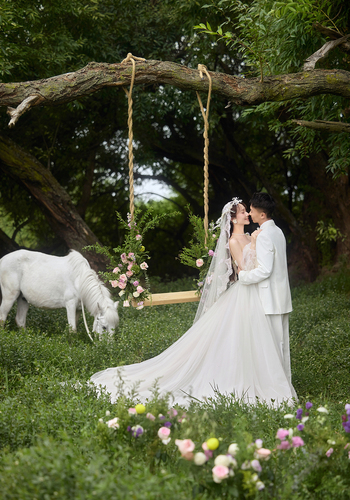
<point x="243" y="91"/>
<point x="51" y="197"/>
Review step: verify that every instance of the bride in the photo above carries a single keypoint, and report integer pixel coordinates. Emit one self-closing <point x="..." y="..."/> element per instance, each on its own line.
<point x="229" y="349"/>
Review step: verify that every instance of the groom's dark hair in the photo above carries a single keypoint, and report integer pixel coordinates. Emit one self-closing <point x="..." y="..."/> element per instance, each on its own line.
<point x="263" y="202"/>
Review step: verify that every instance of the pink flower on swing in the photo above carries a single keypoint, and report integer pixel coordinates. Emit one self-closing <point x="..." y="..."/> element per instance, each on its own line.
<point x="123" y="277"/>
<point x="136" y="283"/>
<point x="144" y="266"/>
<point x="138" y="237"/>
<point x="130" y="266"/>
<point x="139" y="289"/>
<point x="199" y="262"/>
<point x="129" y="273"/>
<point x="131" y="256"/>
<point x="116" y="270"/>
<point x="121" y="285"/>
<point x="211" y="253"/>
<point x="114" y="283"/>
<point x="123" y="257"/>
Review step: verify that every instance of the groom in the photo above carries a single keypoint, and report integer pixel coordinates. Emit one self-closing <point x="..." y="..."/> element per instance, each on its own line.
<point x="271" y="275"/>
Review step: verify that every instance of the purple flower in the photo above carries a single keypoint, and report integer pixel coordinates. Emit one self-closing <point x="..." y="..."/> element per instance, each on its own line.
<point x="136" y="431"/>
<point x="208" y="454"/>
<point x="211" y="253"/>
<point x="167" y="424"/>
<point x="346" y="426"/>
<point x="299" y="413"/>
<point x="308" y="405"/>
<point x="300" y="427"/>
<point x="347" y="409"/>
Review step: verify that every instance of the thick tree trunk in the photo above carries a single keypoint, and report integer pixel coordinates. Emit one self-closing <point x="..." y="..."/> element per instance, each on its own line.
<point x="53" y="200"/>
<point x="336" y="193"/>
<point x="6" y="244"/>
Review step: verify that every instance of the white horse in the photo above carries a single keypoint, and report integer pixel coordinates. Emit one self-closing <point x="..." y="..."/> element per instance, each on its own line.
<point x="53" y="282"/>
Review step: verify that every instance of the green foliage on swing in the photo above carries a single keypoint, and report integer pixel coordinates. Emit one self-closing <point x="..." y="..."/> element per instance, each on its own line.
<point x="127" y="268"/>
<point x="200" y="251"/>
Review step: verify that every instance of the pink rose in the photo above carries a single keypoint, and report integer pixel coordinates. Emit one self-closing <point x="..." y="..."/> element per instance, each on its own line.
<point x="186" y="447"/>
<point x="130" y="266"/>
<point x="138" y="237"/>
<point x="262" y="453"/>
<point x="220" y="472"/>
<point x="113" y="423"/>
<point x="199" y="262"/>
<point x="116" y="270"/>
<point x="131" y="256"/>
<point x="211" y="253"/>
<point x="114" y="283"/>
<point x="122" y="284"/>
<point x="139" y="289"/>
<point x="123" y="277"/>
<point x="136" y="283"/>
<point x="132" y="411"/>
<point x="129" y="274"/>
<point x="285" y="445"/>
<point x="143" y="266"/>
<point x="172" y="412"/>
<point x="297" y="441"/>
<point x="163" y="433"/>
<point x="150" y="416"/>
<point x="282" y="434"/>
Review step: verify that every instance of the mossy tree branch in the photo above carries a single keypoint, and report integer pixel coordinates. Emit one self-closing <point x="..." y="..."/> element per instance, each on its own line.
<point x="242" y="91"/>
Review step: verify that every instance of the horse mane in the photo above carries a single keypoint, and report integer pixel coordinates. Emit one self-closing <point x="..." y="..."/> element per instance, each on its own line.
<point x="93" y="292"/>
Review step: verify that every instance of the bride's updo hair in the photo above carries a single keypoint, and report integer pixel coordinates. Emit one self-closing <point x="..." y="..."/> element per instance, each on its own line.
<point x="234" y="210"/>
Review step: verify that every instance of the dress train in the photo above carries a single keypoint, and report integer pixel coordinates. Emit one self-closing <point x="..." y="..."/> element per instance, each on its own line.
<point x="230" y="349"/>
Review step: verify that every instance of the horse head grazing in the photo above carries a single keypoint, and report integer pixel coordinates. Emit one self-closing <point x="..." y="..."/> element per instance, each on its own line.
<point x="104" y="319"/>
<point x="95" y="296"/>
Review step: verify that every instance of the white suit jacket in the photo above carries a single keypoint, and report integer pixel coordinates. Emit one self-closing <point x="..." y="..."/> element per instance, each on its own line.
<point x="271" y="275"/>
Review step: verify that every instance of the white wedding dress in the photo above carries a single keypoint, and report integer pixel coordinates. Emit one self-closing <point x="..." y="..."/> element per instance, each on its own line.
<point x="230" y="350"/>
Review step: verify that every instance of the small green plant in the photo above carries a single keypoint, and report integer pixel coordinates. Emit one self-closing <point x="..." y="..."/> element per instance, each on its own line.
<point x="200" y="251"/>
<point x="326" y="236"/>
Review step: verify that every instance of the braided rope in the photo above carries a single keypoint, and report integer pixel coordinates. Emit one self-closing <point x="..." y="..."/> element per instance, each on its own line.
<point x="131" y="58"/>
<point x="202" y="69"/>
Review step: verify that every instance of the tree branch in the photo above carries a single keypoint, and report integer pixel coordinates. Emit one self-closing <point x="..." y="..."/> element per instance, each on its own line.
<point x="322" y="52"/>
<point x="333" y="35"/>
<point x="324" y="125"/>
<point x="243" y="91"/>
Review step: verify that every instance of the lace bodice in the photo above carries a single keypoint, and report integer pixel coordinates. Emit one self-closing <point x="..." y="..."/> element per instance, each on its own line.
<point x="249" y="261"/>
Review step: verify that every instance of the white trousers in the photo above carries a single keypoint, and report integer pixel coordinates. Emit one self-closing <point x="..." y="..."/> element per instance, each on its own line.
<point x="279" y="324"/>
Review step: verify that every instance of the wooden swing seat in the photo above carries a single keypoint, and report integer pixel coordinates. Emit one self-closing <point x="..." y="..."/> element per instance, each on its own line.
<point x="158" y="299"/>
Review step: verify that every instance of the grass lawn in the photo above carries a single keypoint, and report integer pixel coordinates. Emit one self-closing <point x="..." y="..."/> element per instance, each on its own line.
<point x="54" y="446"/>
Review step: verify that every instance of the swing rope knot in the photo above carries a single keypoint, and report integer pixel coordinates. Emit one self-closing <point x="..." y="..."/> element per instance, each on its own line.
<point x="202" y="69"/>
